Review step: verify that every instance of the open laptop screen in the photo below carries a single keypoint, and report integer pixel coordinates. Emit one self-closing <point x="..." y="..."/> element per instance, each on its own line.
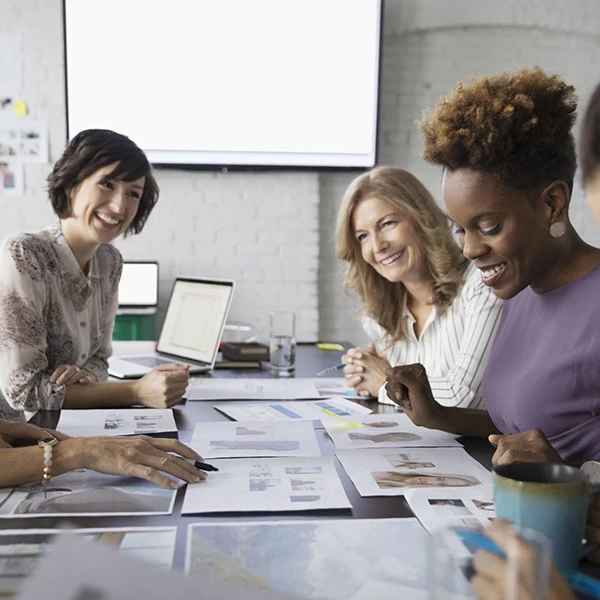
<point x="195" y="318"/>
<point x="138" y="286"/>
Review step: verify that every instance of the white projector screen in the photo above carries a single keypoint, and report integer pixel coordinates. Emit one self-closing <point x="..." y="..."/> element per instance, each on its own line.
<point x="225" y="83"/>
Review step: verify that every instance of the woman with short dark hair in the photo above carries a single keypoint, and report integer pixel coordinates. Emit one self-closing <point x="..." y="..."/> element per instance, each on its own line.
<point x="58" y="299"/>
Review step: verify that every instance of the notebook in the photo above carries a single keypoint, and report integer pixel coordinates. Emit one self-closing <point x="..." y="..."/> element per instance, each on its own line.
<point x="191" y="332"/>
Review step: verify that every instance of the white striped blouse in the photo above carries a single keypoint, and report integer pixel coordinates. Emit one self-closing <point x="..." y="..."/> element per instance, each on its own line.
<point x="453" y="347"/>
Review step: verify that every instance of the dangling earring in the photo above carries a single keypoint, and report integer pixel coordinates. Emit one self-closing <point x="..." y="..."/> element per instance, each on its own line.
<point x="558" y="229"/>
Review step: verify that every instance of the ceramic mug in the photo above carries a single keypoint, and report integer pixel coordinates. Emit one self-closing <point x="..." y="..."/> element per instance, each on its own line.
<point x="547" y="497"/>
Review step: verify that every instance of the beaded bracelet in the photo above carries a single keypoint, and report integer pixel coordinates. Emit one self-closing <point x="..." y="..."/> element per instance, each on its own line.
<point x="47" y="444"/>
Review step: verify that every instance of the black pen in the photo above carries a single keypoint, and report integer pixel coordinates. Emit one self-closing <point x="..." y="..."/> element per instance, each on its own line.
<point x="200" y="465"/>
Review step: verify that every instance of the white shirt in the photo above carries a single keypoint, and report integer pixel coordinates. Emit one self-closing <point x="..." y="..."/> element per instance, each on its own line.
<point x="46" y="318"/>
<point x="453" y="347"/>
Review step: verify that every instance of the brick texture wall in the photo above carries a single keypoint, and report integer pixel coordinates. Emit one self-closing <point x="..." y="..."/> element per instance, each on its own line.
<point x="273" y="231"/>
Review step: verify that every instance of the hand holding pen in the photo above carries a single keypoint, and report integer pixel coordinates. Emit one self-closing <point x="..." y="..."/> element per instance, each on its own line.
<point x="365" y="370"/>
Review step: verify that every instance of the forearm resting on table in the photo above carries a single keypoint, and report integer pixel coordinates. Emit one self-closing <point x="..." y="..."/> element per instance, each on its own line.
<point x="470" y="422"/>
<point x="25" y="465"/>
<point x="101" y="395"/>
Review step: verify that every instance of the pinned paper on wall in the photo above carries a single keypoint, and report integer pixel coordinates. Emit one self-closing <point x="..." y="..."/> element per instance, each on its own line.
<point x="20" y="108"/>
<point x="11" y="177"/>
<point x="11" y="67"/>
<point x="24" y="139"/>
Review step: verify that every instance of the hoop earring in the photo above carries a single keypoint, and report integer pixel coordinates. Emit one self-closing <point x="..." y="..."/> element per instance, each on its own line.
<point x="558" y="229"/>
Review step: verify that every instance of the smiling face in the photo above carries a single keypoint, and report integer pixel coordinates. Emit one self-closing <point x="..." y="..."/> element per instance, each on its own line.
<point x="102" y="208"/>
<point x="500" y="230"/>
<point x="389" y="241"/>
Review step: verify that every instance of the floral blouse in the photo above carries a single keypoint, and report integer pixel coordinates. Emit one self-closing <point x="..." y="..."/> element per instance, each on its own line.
<point x="51" y="313"/>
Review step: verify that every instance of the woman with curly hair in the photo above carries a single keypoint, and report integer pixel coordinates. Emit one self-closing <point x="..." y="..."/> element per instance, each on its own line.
<point x="508" y="155"/>
<point x="421" y="300"/>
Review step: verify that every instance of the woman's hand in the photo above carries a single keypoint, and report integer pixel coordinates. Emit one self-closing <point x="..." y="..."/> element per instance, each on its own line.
<point x="528" y="446"/>
<point x="139" y="456"/>
<point x="163" y="387"/>
<point x="14" y="431"/>
<point x="70" y="374"/>
<point x="492" y="580"/>
<point x="365" y="370"/>
<point x="409" y="387"/>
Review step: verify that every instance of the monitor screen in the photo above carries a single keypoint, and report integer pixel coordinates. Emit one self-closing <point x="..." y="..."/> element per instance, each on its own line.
<point x="139" y="284"/>
<point x="248" y="83"/>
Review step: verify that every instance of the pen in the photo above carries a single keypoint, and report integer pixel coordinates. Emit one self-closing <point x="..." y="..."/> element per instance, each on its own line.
<point x="331" y="369"/>
<point x="200" y="465"/>
<point x="580" y="583"/>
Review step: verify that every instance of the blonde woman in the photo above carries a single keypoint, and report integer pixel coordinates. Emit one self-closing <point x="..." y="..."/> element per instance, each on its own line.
<point x="421" y="299"/>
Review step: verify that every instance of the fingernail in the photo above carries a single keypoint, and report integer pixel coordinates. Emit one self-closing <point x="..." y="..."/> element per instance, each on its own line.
<point x="173" y="485"/>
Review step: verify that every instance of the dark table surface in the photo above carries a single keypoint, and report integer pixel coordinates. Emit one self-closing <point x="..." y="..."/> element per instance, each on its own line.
<point x="309" y="362"/>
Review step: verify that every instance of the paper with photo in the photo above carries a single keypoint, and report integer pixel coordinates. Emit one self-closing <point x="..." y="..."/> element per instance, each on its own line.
<point x="394" y="471"/>
<point x="23" y="139"/>
<point x="385" y="431"/>
<point x="473" y="507"/>
<point x="267" y="484"/>
<point x="328" y="559"/>
<point x="255" y="438"/>
<point x="334" y="386"/>
<point x="86" y="493"/>
<point x="296" y="411"/>
<point x="252" y="389"/>
<point x="100" y="573"/>
<point x="109" y="422"/>
<point x="12" y="177"/>
<point x="22" y="549"/>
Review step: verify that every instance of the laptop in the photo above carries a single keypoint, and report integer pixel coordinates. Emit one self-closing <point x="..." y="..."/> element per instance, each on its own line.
<point x="138" y="288"/>
<point x="191" y="331"/>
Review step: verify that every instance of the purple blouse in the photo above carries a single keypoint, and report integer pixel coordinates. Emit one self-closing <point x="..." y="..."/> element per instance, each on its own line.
<point x="544" y="367"/>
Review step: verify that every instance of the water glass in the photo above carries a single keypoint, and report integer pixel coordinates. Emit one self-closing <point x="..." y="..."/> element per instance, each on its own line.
<point x="282" y="343"/>
<point x="450" y="567"/>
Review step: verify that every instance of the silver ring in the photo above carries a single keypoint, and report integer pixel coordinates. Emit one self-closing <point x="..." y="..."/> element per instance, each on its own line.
<point x="350" y="361"/>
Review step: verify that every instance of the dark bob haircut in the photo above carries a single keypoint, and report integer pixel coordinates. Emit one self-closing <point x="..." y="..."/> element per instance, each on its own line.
<point x="94" y="149"/>
<point x="589" y="139"/>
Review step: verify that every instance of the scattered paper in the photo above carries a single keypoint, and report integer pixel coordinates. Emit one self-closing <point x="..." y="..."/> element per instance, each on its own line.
<point x="99" y="573"/>
<point x="252" y="389"/>
<point x="267" y="484"/>
<point x="109" y="422"/>
<point x="331" y="559"/>
<point x="393" y="472"/>
<point x="384" y="431"/>
<point x="334" y="386"/>
<point x="283" y="411"/>
<point x="255" y="438"/>
<point x="473" y="508"/>
<point x="87" y="493"/>
<point x="22" y="549"/>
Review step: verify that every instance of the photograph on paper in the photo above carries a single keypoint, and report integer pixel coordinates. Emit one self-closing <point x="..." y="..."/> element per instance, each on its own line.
<point x="329" y="409"/>
<point x="385" y="431"/>
<point x="86" y="493"/>
<point x="268" y="484"/>
<point x="324" y="559"/>
<point x="255" y="438"/>
<point x="109" y="422"/>
<point x="387" y="473"/>
<point x="471" y="507"/>
<point x="11" y="177"/>
<point x="23" y="139"/>
<point x="22" y="549"/>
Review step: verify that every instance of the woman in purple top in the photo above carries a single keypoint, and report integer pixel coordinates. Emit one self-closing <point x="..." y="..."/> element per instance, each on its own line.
<point x="508" y="155"/>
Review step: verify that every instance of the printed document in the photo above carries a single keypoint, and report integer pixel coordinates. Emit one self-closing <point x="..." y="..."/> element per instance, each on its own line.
<point x="255" y="438"/>
<point x="252" y="389"/>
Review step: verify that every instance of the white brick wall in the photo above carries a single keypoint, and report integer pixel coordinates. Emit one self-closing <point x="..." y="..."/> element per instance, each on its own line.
<point x="428" y="46"/>
<point x="260" y="229"/>
<point x="273" y="232"/>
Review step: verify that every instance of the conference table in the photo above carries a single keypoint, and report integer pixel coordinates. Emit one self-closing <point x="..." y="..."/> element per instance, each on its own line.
<point x="309" y="361"/>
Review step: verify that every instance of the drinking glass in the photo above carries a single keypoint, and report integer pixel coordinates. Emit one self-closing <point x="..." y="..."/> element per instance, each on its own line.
<point x="282" y="343"/>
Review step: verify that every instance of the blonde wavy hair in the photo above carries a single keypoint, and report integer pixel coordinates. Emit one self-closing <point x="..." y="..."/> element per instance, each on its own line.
<point x="381" y="299"/>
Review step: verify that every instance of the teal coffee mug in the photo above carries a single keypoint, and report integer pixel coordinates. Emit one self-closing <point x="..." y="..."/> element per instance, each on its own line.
<point x="547" y="497"/>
